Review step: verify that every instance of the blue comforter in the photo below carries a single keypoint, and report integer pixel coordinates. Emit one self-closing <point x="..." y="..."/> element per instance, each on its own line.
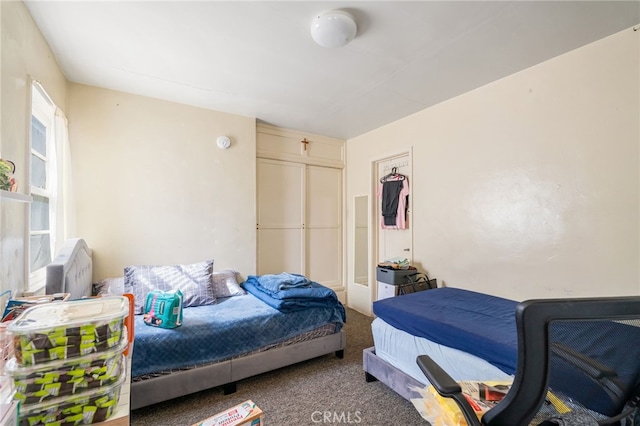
<point x="288" y="299"/>
<point x="233" y="326"/>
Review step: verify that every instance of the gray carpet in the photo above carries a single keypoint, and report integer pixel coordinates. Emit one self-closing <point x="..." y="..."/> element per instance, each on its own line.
<point x="325" y="390"/>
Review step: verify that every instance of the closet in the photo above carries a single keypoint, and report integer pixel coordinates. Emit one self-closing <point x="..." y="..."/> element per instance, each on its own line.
<point x="299" y="205"/>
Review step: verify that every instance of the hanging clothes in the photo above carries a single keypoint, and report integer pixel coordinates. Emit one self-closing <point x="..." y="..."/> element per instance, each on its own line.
<point x="394" y="194"/>
<point x="390" y="199"/>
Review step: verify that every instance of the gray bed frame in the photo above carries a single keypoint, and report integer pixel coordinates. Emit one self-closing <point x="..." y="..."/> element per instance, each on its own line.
<point x="376" y="368"/>
<point x="71" y="272"/>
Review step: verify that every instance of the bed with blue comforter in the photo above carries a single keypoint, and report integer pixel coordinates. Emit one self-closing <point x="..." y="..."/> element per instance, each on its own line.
<point x="474" y="337"/>
<point x="283" y="319"/>
<point x="232" y="327"/>
<point x="475" y="323"/>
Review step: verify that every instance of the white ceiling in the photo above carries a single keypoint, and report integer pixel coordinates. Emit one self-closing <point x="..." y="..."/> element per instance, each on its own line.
<point x="258" y="58"/>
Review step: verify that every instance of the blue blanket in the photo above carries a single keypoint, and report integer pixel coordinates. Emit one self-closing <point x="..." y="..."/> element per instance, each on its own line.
<point x="273" y="283"/>
<point x="293" y="299"/>
<point x="209" y="333"/>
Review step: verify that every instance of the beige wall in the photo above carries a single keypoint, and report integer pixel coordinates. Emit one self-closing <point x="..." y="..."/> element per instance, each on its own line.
<point x="24" y="54"/>
<point x="152" y="187"/>
<point x="529" y="186"/>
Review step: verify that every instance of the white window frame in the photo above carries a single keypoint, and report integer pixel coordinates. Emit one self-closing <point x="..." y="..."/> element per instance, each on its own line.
<point x="43" y="109"/>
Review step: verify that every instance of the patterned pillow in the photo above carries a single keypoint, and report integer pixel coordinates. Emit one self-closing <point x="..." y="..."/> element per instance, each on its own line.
<point x="225" y="284"/>
<point x="192" y="280"/>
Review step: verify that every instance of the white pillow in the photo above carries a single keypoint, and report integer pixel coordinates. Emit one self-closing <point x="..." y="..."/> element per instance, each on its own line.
<point x="225" y="284"/>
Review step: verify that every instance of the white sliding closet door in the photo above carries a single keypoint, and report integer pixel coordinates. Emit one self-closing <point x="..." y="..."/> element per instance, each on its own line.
<point x="300" y="220"/>
<point x="324" y="225"/>
<point x="280" y="217"/>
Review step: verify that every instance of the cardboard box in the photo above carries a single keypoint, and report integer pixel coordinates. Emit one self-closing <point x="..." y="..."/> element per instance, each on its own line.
<point x="245" y="414"/>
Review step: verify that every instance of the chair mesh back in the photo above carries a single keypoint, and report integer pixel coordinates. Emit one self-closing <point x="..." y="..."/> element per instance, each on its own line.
<point x="594" y="366"/>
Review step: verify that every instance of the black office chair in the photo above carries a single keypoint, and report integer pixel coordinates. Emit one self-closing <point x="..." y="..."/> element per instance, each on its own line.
<point x="585" y="351"/>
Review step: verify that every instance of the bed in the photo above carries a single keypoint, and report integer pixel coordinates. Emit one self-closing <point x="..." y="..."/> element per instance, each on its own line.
<point x="413" y="324"/>
<point x="220" y="343"/>
<point x="473" y="336"/>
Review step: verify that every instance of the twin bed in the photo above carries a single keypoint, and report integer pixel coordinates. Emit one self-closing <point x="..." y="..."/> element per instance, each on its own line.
<point x="219" y="343"/>
<point x="473" y="336"/>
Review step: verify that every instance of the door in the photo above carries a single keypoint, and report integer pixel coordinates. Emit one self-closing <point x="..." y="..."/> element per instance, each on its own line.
<point x="280" y="226"/>
<point x="393" y="243"/>
<point x="324" y="225"/>
<point x="384" y="243"/>
<point x="300" y="221"/>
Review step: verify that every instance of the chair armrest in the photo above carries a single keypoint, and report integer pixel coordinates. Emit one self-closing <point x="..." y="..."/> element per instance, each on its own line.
<point x="439" y="378"/>
<point x="447" y="387"/>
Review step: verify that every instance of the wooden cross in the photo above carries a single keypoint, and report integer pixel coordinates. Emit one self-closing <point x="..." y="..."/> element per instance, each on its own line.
<point x="305" y="142"/>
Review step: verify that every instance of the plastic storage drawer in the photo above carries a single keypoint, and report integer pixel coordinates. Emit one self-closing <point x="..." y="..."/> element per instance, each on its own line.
<point x="43" y="382"/>
<point x="64" y="330"/>
<point x="394" y="276"/>
<point x="86" y="408"/>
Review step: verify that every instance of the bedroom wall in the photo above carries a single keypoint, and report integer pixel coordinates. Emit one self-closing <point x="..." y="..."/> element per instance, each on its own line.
<point x="152" y="187"/>
<point x="529" y="186"/>
<point x="24" y="54"/>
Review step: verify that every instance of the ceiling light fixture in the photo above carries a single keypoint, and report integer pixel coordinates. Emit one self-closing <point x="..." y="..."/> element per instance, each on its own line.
<point x="333" y="28"/>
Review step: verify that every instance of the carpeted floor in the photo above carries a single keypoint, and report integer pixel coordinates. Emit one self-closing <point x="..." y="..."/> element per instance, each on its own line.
<point x="325" y="390"/>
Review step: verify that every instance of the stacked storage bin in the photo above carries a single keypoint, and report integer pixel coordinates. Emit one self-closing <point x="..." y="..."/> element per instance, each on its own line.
<point x="68" y="364"/>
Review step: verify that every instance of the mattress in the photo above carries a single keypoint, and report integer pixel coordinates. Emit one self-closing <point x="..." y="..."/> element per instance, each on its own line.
<point x="585" y="355"/>
<point x="231" y="327"/>
<point x="401" y="349"/>
<point x="476" y="323"/>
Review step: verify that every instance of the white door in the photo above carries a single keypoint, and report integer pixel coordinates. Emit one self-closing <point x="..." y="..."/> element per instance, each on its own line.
<point x="384" y="243"/>
<point x="324" y="225"/>
<point x="392" y="243"/>
<point x="280" y="216"/>
<point x="300" y="221"/>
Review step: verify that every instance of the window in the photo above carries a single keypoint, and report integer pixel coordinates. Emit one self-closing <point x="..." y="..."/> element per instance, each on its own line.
<point x="42" y="179"/>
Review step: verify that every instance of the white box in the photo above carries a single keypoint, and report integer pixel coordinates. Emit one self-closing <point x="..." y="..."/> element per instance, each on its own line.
<point x="387" y="290"/>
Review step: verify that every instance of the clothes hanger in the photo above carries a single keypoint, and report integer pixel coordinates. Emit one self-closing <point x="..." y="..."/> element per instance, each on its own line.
<point x="394" y="173"/>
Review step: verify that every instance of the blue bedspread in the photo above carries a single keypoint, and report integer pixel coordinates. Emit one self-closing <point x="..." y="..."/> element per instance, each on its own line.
<point x="476" y="323"/>
<point x="292" y="298"/>
<point x="233" y="326"/>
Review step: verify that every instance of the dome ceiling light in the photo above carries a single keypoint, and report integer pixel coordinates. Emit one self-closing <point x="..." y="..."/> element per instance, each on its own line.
<point x="333" y="28"/>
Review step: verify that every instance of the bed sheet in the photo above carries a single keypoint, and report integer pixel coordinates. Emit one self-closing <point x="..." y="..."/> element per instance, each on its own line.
<point x="476" y="323"/>
<point x="401" y="349"/>
<point x="233" y="326"/>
